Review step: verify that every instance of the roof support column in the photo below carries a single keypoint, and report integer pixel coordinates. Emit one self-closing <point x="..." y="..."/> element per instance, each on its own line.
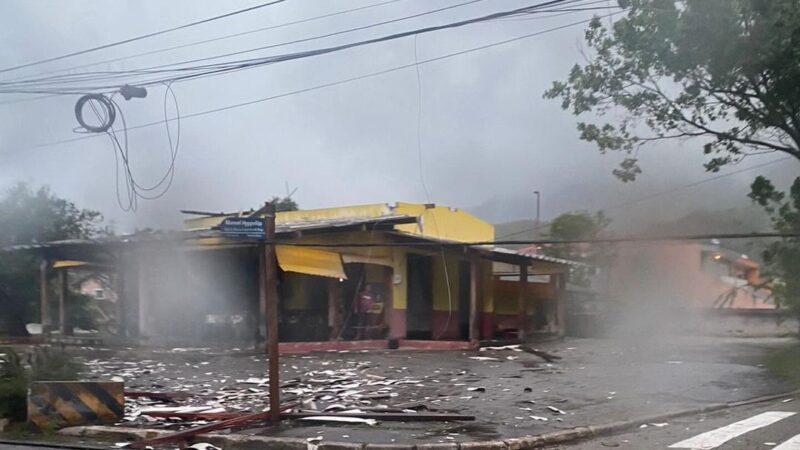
<point x="521" y="302"/>
<point x="334" y="301"/>
<point x="474" y="276"/>
<point x="62" y="298"/>
<point x="44" y="301"/>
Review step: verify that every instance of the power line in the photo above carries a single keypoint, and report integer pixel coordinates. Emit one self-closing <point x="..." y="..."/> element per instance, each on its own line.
<point x="373" y="25"/>
<point x="163" y="67"/>
<point x="144" y="36"/>
<point x="230" y="66"/>
<point x="111" y="75"/>
<point x="618" y="240"/>
<point x="216" y="39"/>
<point x="697" y="183"/>
<point x="672" y="190"/>
<point x="330" y="84"/>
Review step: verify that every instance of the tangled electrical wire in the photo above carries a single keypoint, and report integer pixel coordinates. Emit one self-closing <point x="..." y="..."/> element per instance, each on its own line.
<point x="106" y="110"/>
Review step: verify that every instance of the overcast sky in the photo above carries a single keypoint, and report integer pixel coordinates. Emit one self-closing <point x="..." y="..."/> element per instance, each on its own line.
<point x="488" y="139"/>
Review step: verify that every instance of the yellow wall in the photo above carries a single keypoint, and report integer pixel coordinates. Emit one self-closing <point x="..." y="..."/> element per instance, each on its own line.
<point x="441" y="300"/>
<point x="507" y="296"/>
<point x="445" y="223"/>
<point x="436" y="222"/>
<point x="339" y="212"/>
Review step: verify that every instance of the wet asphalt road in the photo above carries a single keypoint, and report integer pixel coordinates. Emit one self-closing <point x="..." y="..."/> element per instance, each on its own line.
<point x="679" y="430"/>
<point x="597" y="381"/>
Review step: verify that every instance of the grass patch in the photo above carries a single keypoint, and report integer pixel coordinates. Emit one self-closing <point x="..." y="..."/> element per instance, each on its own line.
<point x="785" y="363"/>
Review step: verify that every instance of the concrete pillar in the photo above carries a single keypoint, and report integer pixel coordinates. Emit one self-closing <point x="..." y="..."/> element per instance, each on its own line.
<point x="474" y="294"/>
<point x="334" y="306"/>
<point x="522" y="302"/>
<point x="44" y="300"/>
<point x="62" y="298"/>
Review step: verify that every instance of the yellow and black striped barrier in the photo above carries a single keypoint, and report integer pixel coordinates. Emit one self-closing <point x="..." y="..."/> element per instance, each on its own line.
<point x="56" y="404"/>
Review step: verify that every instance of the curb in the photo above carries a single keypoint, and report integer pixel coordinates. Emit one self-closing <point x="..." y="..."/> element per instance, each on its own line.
<point x="247" y="442"/>
<point x="50" y="445"/>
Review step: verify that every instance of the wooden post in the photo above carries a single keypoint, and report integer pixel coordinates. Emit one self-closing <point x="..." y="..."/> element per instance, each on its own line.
<point x="62" y="294"/>
<point x="44" y="308"/>
<point x="475" y="272"/>
<point x="261" y="326"/>
<point x="271" y="297"/>
<point x="521" y="302"/>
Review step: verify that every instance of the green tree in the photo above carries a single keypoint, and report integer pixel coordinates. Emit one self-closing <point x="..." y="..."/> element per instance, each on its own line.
<point x="723" y="72"/>
<point x="29" y="216"/>
<point x="573" y="226"/>
<point x="782" y="258"/>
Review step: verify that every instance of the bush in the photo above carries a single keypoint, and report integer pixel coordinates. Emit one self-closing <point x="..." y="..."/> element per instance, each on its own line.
<point x="16" y="371"/>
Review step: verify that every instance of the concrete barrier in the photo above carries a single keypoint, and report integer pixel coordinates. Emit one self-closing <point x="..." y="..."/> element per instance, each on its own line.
<point x="56" y="404"/>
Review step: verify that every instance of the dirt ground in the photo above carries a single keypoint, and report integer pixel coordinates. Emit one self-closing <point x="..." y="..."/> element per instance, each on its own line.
<point x="510" y="392"/>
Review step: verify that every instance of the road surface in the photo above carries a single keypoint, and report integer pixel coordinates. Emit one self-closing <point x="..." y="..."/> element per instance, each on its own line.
<point x="773" y="425"/>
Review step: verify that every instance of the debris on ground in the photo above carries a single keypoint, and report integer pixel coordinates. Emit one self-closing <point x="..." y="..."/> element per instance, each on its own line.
<point x="202" y="446"/>
<point x="168" y="395"/>
<point x="483" y="358"/>
<point x="549" y="357"/>
<point x="344" y="419"/>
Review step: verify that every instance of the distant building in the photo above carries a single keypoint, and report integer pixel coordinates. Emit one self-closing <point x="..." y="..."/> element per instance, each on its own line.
<point x="686" y="274"/>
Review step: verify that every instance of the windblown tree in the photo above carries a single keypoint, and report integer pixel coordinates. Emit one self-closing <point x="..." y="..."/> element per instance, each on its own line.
<point x="722" y="73"/>
<point x="28" y="216"/>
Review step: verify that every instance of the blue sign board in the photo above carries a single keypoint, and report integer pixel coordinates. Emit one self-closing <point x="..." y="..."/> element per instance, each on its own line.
<point x="246" y="227"/>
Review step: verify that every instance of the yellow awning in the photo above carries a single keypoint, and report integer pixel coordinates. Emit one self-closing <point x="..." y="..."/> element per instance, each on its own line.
<point x="310" y="261"/>
<point x="67" y="263"/>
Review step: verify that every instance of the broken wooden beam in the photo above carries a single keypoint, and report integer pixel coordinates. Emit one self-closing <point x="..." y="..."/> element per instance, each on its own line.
<point x="549" y="357"/>
<point x="394" y="417"/>
<point x="185" y="435"/>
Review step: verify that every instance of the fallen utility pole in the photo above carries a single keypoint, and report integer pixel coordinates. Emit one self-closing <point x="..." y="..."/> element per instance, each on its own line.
<point x="271" y="300"/>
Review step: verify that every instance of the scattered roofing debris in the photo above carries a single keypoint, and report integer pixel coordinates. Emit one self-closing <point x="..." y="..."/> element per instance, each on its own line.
<point x="185" y="435"/>
<point x="189" y="391"/>
<point x="549" y="357"/>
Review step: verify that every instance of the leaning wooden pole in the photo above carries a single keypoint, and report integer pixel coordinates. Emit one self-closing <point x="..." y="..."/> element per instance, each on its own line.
<point x="271" y="294"/>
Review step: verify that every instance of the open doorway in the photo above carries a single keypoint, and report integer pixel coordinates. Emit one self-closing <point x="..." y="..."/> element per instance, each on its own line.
<point x="419" y="313"/>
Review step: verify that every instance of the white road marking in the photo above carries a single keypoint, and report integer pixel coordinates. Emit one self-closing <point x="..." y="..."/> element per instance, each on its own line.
<point x="792" y="444"/>
<point x="719" y="436"/>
